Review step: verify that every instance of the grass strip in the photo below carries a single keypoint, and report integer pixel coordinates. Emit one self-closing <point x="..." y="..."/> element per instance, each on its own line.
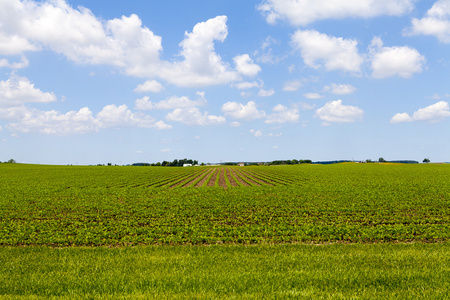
<point x="337" y="271"/>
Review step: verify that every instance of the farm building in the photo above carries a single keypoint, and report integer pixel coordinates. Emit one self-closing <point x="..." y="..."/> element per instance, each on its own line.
<point x="241" y="164"/>
<point x="187" y="165"/>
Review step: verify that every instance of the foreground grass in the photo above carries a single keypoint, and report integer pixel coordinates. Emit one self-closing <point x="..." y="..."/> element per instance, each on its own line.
<point x="336" y="271"/>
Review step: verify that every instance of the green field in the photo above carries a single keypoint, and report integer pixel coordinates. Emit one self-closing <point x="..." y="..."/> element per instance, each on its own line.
<point x="320" y="222"/>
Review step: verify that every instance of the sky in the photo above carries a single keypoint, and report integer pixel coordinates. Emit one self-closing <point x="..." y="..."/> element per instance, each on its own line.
<point x="96" y="82"/>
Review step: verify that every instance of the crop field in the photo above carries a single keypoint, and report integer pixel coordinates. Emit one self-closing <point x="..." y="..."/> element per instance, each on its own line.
<point x="345" y="231"/>
<point x="94" y="206"/>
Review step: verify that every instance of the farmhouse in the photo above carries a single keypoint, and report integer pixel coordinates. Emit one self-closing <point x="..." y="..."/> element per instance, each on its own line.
<point x="187" y="165"/>
<point x="241" y="164"/>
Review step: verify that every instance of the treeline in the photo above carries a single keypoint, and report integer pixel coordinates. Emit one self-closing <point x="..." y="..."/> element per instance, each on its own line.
<point x="11" y="161"/>
<point x="291" y="162"/>
<point x="175" y="163"/>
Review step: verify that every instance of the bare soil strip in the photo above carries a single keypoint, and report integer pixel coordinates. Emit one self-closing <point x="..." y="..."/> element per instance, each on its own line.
<point x="238" y="178"/>
<point x="222" y="182"/>
<point x="212" y="181"/>
<point x="196" y="177"/>
<point x="201" y="182"/>
<point x="248" y="177"/>
<point x="230" y="178"/>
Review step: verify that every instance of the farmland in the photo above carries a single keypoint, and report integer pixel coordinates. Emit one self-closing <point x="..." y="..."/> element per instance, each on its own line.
<point x="306" y="231"/>
<point x="100" y="206"/>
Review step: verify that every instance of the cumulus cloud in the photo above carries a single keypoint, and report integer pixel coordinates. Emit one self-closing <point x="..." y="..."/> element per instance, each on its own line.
<point x="245" y="85"/>
<point x="237" y="110"/>
<point x="312" y="95"/>
<point x="436" y="22"/>
<point x="433" y="113"/>
<point x="4" y="63"/>
<point x="245" y="65"/>
<point x="19" y="90"/>
<point x="28" y="120"/>
<point x="281" y="114"/>
<point x="152" y="86"/>
<point x="193" y="116"/>
<point x="292" y="85"/>
<point x="256" y="133"/>
<point x="170" y="103"/>
<point x="304" y="12"/>
<point x="319" y="50"/>
<point x="266" y="93"/>
<point x="394" y="61"/>
<point x="339" y="89"/>
<point x="202" y="66"/>
<point x="335" y="111"/>
<point x="124" y="43"/>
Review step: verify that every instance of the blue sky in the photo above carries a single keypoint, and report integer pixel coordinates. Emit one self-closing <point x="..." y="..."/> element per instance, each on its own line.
<point x="87" y="82"/>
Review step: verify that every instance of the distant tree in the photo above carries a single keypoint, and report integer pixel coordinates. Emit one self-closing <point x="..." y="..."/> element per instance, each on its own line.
<point x="381" y="160"/>
<point x="368" y="161"/>
<point x="11" y="161"/>
<point x="426" y="160"/>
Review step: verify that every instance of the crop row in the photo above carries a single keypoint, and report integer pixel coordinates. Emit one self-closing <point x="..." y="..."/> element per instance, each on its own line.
<point x="59" y="206"/>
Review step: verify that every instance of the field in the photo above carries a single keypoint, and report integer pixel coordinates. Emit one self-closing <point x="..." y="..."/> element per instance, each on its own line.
<point x="174" y="217"/>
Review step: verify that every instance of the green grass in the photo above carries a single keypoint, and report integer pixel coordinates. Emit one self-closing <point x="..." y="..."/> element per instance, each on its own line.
<point x="337" y="271"/>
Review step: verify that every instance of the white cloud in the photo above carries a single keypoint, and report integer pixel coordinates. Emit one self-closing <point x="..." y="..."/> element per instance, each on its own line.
<point x="53" y="122"/>
<point x="340" y="89"/>
<point x="435" y="23"/>
<point x="312" y="95"/>
<point x="165" y="150"/>
<point x="202" y="66"/>
<point x="319" y="50"/>
<point x="193" y="116"/>
<point x="120" y="116"/>
<point x="237" y="110"/>
<point x="256" y="133"/>
<point x="433" y="113"/>
<point x="235" y="124"/>
<point x="27" y="120"/>
<point x="292" y="85"/>
<point x="304" y="12"/>
<point x="170" y="103"/>
<point x="19" y="90"/>
<point x="281" y="114"/>
<point x="335" y="111"/>
<point x="149" y="86"/>
<point x="122" y="42"/>
<point x="264" y="93"/>
<point x="247" y="85"/>
<point x="265" y="53"/>
<point x="394" y="61"/>
<point x="401" y="118"/>
<point x="304" y="106"/>
<point x="4" y="63"/>
<point x="245" y="65"/>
